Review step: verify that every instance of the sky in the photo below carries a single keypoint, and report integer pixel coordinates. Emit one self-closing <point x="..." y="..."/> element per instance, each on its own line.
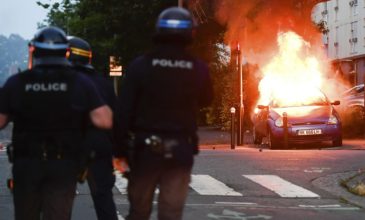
<point x="21" y="17"/>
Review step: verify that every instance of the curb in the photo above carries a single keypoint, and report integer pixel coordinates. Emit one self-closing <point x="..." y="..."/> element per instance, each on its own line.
<point x="356" y="184"/>
<point x="336" y="184"/>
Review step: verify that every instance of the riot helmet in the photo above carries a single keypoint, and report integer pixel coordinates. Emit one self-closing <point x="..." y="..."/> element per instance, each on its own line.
<point x="174" y="24"/>
<point x="48" y="47"/>
<point x="80" y="52"/>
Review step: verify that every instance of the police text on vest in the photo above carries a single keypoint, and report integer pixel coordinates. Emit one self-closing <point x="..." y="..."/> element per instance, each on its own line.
<point x="166" y="63"/>
<point x="46" y="87"/>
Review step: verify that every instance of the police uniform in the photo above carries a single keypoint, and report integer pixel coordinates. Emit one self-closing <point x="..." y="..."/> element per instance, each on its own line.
<point x="159" y="100"/>
<point x="48" y="105"/>
<point x="100" y="177"/>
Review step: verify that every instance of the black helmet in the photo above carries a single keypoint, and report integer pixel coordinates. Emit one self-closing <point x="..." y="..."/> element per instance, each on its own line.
<point x="174" y="24"/>
<point x="80" y="52"/>
<point x="48" y="47"/>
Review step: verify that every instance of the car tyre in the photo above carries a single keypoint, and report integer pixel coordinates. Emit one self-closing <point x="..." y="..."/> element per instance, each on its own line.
<point x="273" y="143"/>
<point x="337" y="142"/>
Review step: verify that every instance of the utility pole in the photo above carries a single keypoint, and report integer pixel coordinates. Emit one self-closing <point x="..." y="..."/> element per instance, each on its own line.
<point x="239" y="102"/>
<point x="241" y="110"/>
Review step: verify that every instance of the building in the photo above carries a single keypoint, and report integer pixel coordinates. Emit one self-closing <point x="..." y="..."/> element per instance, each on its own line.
<point x="343" y="25"/>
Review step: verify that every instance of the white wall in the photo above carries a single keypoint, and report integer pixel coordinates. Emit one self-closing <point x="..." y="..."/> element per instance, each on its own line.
<point x="346" y="15"/>
<point x="346" y="23"/>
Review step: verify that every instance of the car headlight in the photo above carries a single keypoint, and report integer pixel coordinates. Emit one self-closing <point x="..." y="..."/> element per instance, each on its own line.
<point x="279" y="122"/>
<point x="332" y="120"/>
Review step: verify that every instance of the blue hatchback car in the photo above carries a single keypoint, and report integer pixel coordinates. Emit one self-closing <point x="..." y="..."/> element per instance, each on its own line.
<point x="311" y="121"/>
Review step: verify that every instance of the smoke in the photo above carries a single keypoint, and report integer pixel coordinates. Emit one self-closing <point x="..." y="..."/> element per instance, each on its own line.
<point x="255" y="24"/>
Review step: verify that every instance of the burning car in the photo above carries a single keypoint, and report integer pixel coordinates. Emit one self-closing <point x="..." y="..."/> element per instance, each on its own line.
<point x="314" y="120"/>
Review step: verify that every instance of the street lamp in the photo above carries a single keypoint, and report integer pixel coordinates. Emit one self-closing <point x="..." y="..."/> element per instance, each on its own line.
<point x="233" y="118"/>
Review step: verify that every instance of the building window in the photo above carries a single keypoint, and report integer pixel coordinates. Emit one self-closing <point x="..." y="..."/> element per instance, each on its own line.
<point x="353" y="45"/>
<point x="354" y="5"/>
<point x="336" y="42"/>
<point x="325" y="12"/>
<point x="353" y="39"/>
<point x="336" y="10"/>
<point x="354" y="29"/>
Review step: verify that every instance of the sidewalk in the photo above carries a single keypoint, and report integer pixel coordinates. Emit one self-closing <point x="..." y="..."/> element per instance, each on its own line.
<point x="215" y="138"/>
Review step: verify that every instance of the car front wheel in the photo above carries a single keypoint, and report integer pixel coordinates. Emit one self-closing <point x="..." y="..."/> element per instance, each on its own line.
<point x="337" y="142"/>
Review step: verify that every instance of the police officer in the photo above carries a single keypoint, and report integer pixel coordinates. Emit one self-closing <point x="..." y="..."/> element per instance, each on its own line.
<point x="100" y="174"/>
<point x="48" y="104"/>
<point x="160" y="97"/>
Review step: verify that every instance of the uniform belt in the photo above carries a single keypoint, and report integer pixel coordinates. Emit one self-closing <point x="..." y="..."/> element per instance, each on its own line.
<point x="43" y="155"/>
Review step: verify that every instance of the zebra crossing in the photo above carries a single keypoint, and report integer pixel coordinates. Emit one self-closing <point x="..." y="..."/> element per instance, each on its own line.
<point x="207" y="185"/>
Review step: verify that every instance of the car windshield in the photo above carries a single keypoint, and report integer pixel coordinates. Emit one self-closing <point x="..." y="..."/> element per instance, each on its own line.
<point x="319" y="99"/>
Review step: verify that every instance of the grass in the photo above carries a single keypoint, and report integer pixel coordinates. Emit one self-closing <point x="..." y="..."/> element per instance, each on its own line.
<point x="358" y="189"/>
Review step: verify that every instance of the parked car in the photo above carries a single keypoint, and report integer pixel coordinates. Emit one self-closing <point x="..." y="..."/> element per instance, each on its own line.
<point x="352" y="101"/>
<point x="313" y="121"/>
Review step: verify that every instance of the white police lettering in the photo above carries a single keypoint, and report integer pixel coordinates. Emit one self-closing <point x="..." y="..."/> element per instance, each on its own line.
<point x="46" y="87"/>
<point x="183" y="64"/>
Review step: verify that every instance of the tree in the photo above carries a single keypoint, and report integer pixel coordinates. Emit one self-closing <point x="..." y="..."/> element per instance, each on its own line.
<point x="113" y="27"/>
<point x="125" y="28"/>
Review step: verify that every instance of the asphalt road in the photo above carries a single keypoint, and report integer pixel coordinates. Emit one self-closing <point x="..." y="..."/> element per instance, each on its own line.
<point x="250" y="182"/>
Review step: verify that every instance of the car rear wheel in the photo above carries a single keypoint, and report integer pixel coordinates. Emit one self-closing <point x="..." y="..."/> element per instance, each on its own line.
<point x="273" y="142"/>
<point x="337" y="142"/>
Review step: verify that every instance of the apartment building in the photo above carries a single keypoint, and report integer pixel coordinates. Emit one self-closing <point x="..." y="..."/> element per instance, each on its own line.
<point x="343" y="25"/>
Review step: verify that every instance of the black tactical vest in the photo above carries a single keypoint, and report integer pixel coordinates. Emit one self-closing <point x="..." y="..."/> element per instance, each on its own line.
<point x="167" y="98"/>
<point x="45" y="114"/>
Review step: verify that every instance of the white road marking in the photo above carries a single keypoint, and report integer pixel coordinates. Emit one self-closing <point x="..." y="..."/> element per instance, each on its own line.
<point x="288" y="169"/>
<point x="207" y="185"/>
<point x="281" y="186"/>
<point x="120" y="217"/>
<point x="236" y="203"/>
<point x="121" y="183"/>
<point x="228" y="214"/>
<point x="316" y="169"/>
<point x="320" y="206"/>
<point x="258" y="206"/>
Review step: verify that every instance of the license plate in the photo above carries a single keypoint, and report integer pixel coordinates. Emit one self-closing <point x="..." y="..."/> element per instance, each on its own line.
<point x="310" y="132"/>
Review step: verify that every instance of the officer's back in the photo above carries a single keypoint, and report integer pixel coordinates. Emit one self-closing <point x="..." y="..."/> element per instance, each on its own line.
<point x="48" y="104"/>
<point x="173" y="85"/>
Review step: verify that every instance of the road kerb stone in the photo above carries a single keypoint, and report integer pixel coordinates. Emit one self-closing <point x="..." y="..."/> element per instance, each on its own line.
<point x="336" y="184"/>
<point x="356" y="184"/>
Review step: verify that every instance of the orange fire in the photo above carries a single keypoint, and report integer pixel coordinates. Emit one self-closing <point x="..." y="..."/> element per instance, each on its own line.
<point x="293" y="76"/>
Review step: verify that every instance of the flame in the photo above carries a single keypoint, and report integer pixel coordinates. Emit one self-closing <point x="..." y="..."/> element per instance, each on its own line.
<point x="293" y="77"/>
<point x="297" y="112"/>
